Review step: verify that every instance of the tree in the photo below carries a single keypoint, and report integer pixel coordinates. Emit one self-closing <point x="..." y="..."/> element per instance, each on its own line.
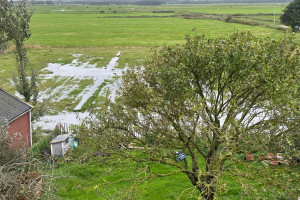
<point x="14" y="26"/>
<point x="212" y="99"/>
<point x="291" y="14"/>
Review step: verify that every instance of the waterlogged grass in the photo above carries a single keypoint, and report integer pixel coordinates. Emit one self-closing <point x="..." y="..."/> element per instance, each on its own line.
<point x="40" y="57"/>
<point x="52" y="89"/>
<point x="92" y="99"/>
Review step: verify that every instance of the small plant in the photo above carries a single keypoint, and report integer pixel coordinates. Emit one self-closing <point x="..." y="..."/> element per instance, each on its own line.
<point x="42" y="148"/>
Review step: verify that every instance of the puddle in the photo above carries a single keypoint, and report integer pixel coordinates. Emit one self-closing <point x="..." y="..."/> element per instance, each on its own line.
<point x="76" y="71"/>
<point x="79" y="71"/>
<point x="50" y="121"/>
<point x="102" y="74"/>
<point x="63" y="10"/>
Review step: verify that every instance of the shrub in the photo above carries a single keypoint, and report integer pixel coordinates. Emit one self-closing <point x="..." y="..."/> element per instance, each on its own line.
<point x="21" y="177"/>
<point x="228" y="19"/>
<point x="42" y="148"/>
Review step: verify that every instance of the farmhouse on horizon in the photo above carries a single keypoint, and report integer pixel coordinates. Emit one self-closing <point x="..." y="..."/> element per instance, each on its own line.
<point x="16" y="114"/>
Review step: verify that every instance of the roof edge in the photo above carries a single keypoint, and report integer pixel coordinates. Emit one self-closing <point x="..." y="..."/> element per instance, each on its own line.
<point x="18" y="98"/>
<point x="24" y="113"/>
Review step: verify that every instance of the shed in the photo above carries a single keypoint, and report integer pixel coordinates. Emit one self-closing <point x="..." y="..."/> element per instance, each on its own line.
<point x="61" y="144"/>
<point x="16" y="115"/>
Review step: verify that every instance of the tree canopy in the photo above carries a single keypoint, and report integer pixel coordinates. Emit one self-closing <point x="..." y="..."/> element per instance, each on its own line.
<point x="212" y="99"/>
<point x="14" y="26"/>
<point x="291" y="14"/>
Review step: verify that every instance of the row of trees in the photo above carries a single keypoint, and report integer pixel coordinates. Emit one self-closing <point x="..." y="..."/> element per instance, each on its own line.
<point x="151" y="2"/>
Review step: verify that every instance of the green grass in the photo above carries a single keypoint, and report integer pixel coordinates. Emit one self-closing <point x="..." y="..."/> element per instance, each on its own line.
<point x="108" y="10"/>
<point x="108" y="179"/>
<point x="86" y="30"/>
<point x="93" y="181"/>
<point x="234" y="8"/>
<point x="92" y="99"/>
<point x="137" y="26"/>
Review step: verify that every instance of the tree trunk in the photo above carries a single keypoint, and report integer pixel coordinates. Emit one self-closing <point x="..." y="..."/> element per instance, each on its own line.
<point x="204" y="185"/>
<point x="23" y="86"/>
<point x="207" y="191"/>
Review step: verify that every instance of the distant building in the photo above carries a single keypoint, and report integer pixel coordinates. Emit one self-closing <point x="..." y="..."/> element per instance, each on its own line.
<point x="16" y="114"/>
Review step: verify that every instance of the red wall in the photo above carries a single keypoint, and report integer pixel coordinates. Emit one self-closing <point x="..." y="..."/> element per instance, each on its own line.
<point x="20" y="125"/>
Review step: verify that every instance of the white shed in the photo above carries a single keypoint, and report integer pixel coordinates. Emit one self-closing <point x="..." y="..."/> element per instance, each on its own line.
<point x="60" y="144"/>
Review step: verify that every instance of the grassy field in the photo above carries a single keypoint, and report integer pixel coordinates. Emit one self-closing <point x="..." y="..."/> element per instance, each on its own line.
<point x="101" y="31"/>
<point x="116" y="10"/>
<point x="87" y="30"/>
<point x="119" y="26"/>
<point x="100" y="178"/>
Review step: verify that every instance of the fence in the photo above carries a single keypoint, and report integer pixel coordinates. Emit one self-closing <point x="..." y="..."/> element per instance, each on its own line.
<point x="62" y="128"/>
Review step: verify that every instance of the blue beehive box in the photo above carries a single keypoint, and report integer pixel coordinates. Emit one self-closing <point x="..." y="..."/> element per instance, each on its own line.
<point x="180" y="156"/>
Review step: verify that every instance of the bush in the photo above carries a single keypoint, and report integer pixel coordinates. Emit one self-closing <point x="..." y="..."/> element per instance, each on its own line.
<point x="228" y="19"/>
<point x="21" y="177"/>
<point x="7" y="154"/>
<point x="42" y="148"/>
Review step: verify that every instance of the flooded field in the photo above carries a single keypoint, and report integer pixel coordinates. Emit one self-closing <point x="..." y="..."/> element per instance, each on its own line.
<point x="69" y="76"/>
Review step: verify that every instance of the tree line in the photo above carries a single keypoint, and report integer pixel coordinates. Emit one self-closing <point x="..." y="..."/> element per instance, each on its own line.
<point x="152" y="2"/>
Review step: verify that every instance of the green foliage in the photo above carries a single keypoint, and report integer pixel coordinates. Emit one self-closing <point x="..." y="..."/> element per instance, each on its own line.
<point x="39" y="110"/>
<point x="14" y="26"/>
<point x="7" y="153"/>
<point x="234" y="94"/>
<point x="228" y="19"/>
<point x="42" y="148"/>
<point x="291" y="14"/>
<point x="22" y="176"/>
<point x="14" y="23"/>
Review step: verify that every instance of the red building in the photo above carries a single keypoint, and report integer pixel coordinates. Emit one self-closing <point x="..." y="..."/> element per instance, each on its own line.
<point x="16" y="114"/>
